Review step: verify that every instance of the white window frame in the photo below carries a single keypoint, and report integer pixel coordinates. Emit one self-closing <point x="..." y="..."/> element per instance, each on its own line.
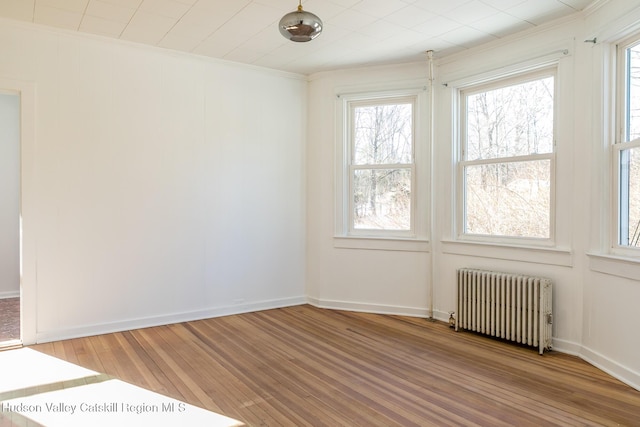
<point x="519" y="76"/>
<point x="619" y="144"/>
<point x="414" y="239"/>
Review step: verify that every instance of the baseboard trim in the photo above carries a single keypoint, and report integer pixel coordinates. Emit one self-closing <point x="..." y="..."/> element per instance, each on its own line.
<point x="611" y="367"/>
<point x="443" y="316"/>
<point x="600" y="361"/>
<point x="594" y="358"/>
<point x="567" y="347"/>
<point x="369" y="308"/>
<point x="10" y="294"/>
<point x="147" y="322"/>
<point x="616" y="370"/>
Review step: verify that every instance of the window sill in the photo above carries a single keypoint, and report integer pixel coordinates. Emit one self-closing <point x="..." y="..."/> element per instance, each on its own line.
<point x="381" y="244"/>
<point x="615" y="265"/>
<point x="532" y="254"/>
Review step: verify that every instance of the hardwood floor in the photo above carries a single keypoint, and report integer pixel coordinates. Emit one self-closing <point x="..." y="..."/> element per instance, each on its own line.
<point x="304" y="366"/>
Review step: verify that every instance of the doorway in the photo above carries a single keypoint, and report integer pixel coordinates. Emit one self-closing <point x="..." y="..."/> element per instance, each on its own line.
<point x="10" y="247"/>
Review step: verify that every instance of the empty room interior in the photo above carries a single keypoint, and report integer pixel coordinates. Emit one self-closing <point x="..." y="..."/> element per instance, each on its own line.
<point x="326" y="212"/>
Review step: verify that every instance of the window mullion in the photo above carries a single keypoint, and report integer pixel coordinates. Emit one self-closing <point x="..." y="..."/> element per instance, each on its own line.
<point x="626" y="133"/>
<point x="384" y="166"/>
<point x="514" y="159"/>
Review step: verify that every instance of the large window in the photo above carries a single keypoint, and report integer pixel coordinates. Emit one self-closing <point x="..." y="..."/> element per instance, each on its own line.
<point x="627" y="147"/>
<point x="380" y="158"/>
<point x="507" y="157"/>
<point x="382" y="166"/>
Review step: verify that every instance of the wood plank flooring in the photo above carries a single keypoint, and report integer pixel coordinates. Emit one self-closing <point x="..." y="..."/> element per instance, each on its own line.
<point x="305" y="366"/>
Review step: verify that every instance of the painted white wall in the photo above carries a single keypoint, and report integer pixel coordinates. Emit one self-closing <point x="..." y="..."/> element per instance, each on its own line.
<point x="167" y="187"/>
<point x="9" y="195"/>
<point x="595" y="295"/>
<point x="611" y="283"/>
<point x="561" y="263"/>
<point x="371" y="280"/>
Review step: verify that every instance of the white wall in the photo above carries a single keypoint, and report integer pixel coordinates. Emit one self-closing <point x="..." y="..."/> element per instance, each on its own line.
<point x="166" y="187"/>
<point x="564" y="262"/>
<point x="595" y="295"/>
<point x="611" y="283"/>
<point x="370" y="280"/>
<point x="9" y="195"/>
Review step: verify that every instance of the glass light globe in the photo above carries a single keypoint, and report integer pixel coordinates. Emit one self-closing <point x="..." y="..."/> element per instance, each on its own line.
<point x="300" y="26"/>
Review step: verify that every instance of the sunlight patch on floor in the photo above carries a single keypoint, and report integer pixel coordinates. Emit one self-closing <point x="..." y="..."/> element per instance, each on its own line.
<point x="40" y="390"/>
<point x="25" y="368"/>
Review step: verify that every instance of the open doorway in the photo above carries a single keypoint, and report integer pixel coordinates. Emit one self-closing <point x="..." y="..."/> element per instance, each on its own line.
<point x="10" y="251"/>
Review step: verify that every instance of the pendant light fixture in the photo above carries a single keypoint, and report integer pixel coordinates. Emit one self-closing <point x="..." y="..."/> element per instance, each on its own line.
<point x="300" y="26"/>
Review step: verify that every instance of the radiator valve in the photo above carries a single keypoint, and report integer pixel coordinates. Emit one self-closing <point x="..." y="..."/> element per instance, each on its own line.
<point x="452" y="320"/>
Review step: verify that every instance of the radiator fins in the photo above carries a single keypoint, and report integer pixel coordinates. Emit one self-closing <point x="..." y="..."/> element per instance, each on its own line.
<point x="513" y="307"/>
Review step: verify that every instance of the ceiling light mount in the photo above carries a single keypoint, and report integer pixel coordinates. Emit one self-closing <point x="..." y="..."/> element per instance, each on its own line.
<point x="300" y="26"/>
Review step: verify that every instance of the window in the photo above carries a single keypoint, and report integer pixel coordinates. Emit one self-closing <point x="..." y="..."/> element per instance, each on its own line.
<point x="382" y="167"/>
<point x="378" y="193"/>
<point x="626" y="149"/>
<point x="507" y="158"/>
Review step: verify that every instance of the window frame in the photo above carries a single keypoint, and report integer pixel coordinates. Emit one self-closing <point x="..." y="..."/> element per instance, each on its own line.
<point x="486" y="84"/>
<point x="353" y="166"/>
<point x="619" y="143"/>
<point x="346" y="235"/>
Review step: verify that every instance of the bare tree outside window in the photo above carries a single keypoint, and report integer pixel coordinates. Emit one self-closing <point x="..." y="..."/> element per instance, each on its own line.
<point x="629" y="158"/>
<point x="382" y="153"/>
<point x="630" y="197"/>
<point x="507" y="159"/>
<point x="633" y="100"/>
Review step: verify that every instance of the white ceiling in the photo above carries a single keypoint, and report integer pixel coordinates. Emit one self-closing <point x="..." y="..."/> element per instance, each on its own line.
<point x="356" y="32"/>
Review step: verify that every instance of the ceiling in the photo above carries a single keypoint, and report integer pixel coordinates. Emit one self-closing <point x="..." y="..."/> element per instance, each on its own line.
<point x="356" y="32"/>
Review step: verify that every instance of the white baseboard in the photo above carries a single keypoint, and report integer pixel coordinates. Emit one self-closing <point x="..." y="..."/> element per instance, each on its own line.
<point x="369" y="308"/>
<point x="616" y="370"/>
<point x="10" y="294"/>
<point x="443" y="316"/>
<point x="567" y="347"/>
<point x="613" y="368"/>
<point x="601" y="362"/>
<point x="130" y="324"/>
<point x="379" y="308"/>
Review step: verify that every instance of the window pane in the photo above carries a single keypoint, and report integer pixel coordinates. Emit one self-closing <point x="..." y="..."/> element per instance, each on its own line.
<point x="508" y="199"/>
<point x="630" y="197"/>
<point x="633" y="93"/>
<point x="383" y="134"/>
<point x="511" y="121"/>
<point x="382" y="199"/>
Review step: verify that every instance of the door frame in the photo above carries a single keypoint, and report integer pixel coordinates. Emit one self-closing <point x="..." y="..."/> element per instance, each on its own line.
<point x="28" y="255"/>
